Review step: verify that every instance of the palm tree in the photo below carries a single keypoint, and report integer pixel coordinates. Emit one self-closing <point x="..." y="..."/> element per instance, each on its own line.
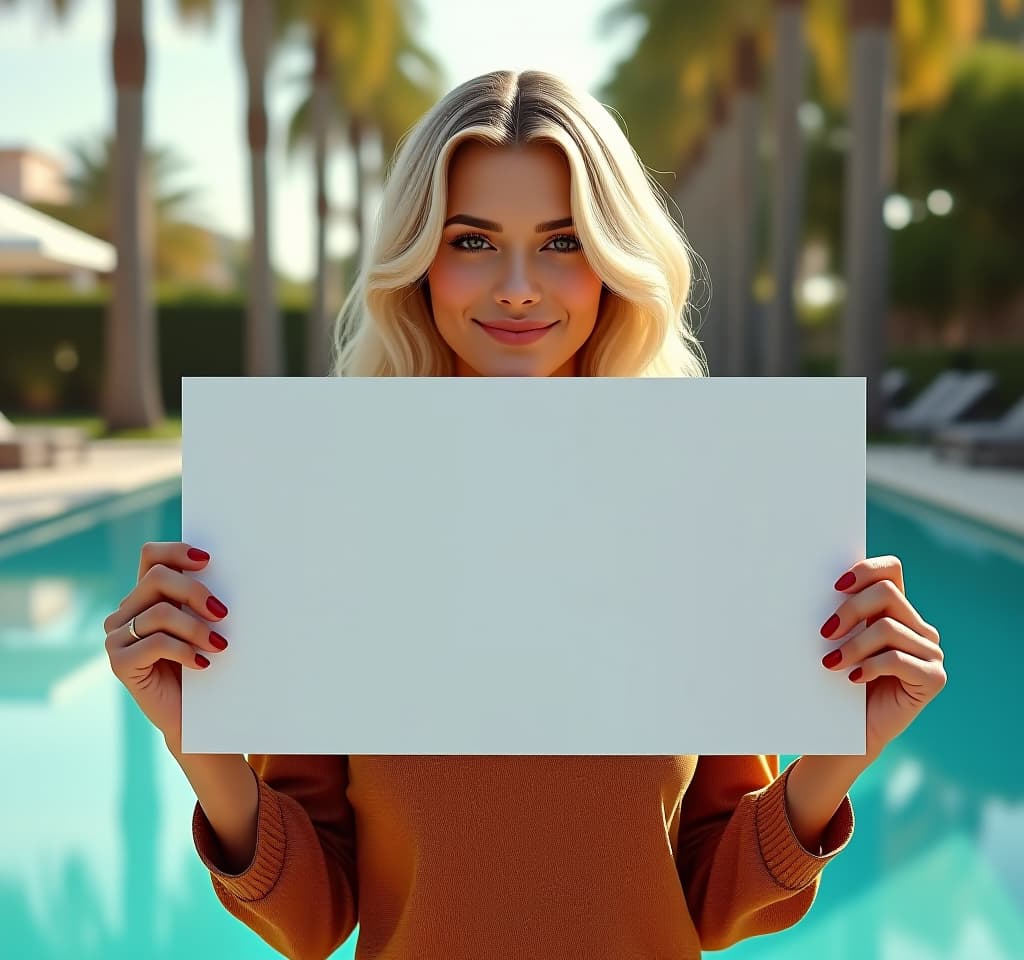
<point x="680" y="54"/>
<point x="371" y="74"/>
<point x="741" y="335"/>
<point x="131" y="385"/>
<point x="869" y="173"/>
<point x="781" y="346"/>
<point x="715" y="243"/>
<point x="263" y="342"/>
<point x="927" y="36"/>
<point x="664" y="89"/>
<point x="130" y="391"/>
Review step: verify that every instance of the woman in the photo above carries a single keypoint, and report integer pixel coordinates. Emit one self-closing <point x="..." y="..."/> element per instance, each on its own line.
<point x="519" y="235"/>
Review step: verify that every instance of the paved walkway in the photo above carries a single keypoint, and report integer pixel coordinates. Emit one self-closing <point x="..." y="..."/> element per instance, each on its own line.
<point x="993" y="495"/>
<point x="111" y="467"/>
<point x="990" y="494"/>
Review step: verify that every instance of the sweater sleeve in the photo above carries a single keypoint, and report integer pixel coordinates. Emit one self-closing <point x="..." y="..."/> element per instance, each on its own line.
<point x="742" y="868"/>
<point x="300" y="892"/>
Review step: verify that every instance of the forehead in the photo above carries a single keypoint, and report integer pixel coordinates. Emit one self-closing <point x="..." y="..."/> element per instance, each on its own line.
<point x="536" y="174"/>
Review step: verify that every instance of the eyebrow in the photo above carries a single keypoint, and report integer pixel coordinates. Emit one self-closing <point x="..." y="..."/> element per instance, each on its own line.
<point x="496" y="227"/>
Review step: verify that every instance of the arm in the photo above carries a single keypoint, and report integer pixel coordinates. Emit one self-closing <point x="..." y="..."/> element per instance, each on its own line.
<point x="743" y="870"/>
<point x="301" y="853"/>
<point x="815" y="790"/>
<point x="229" y="796"/>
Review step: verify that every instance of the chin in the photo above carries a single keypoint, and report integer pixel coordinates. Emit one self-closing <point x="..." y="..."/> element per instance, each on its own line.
<point x="515" y="366"/>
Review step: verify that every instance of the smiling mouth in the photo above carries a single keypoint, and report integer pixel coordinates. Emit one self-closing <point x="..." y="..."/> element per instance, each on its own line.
<point x="493" y="326"/>
<point x="514" y="337"/>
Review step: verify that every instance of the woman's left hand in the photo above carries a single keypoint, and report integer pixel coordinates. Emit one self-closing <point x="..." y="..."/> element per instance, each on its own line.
<point x="897" y="655"/>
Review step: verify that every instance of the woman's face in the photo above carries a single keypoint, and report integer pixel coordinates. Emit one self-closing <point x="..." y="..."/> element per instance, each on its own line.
<point x="509" y="256"/>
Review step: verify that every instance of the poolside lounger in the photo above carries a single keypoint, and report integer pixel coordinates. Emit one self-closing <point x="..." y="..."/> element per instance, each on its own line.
<point x="894" y="382"/>
<point x="24" y="454"/>
<point x="995" y="442"/>
<point x="955" y="393"/>
<point x="917" y="411"/>
<point x="27" y="447"/>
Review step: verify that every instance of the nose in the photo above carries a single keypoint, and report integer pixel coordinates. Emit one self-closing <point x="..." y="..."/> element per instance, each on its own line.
<point x="517" y="286"/>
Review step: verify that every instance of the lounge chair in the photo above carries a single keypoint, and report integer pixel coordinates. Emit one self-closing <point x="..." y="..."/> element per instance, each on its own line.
<point x="894" y="384"/>
<point x="995" y="442"/>
<point x="922" y="406"/>
<point x="945" y="400"/>
<point x="27" y="447"/>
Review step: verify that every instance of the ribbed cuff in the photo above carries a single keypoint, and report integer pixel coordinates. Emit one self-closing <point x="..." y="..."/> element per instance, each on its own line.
<point x="258" y="879"/>
<point x="791" y="865"/>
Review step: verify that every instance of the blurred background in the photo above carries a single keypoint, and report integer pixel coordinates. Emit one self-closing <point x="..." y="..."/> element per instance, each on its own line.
<point x="186" y="188"/>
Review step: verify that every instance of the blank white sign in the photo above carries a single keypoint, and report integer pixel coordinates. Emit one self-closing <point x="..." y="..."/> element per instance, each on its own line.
<point x="523" y="565"/>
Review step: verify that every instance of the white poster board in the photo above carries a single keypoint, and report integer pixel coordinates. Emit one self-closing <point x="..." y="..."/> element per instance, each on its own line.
<point x="562" y="566"/>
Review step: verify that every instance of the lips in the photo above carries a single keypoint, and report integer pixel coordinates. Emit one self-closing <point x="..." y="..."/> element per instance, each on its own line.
<point x="513" y="327"/>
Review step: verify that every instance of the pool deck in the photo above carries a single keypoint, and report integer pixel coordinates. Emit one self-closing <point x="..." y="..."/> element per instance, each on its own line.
<point x="992" y="495"/>
<point x="110" y="467"/>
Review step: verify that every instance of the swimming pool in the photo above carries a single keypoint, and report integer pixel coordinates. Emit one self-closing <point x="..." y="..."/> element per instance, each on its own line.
<point x="97" y="857"/>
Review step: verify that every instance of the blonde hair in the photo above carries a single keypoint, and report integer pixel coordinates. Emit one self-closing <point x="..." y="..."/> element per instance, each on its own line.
<point x="631" y="241"/>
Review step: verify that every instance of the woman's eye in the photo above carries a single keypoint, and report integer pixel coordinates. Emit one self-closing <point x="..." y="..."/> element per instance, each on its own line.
<point x="457" y="242"/>
<point x="467" y="242"/>
<point x="571" y="238"/>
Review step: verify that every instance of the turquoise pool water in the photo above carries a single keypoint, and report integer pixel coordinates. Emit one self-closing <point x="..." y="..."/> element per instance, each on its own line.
<point x="97" y="858"/>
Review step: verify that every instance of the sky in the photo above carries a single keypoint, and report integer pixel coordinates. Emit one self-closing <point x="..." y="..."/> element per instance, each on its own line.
<point x="195" y="95"/>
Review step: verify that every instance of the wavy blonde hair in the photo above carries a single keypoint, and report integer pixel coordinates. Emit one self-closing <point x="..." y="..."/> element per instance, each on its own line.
<point x="385" y="327"/>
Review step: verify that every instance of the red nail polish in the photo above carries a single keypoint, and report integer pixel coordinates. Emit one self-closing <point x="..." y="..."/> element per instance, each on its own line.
<point x="201" y="660"/>
<point x="831" y="659"/>
<point x="217" y="640"/>
<point x="856" y="675"/>
<point x="830" y="626"/>
<point x="194" y="553"/>
<point x="845" y="581"/>
<point x="216" y="607"/>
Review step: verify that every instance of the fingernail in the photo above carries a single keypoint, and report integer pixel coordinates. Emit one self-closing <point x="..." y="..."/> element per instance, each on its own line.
<point x="856" y="675"/>
<point x="831" y="659"/>
<point x="194" y="553"/>
<point x="830" y="625"/>
<point x="845" y="581"/>
<point x="216" y="607"/>
<point x="201" y="660"/>
<point x="217" y="640"/>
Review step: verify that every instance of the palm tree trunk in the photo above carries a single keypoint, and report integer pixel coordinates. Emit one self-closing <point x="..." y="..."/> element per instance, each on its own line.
<point x="740" y="350"/>
<point x="867" y="180"/>
<point x="131" y="376"/>
<point x="781" y="359"/>
<point x="695" y="199"/>
<point x="318" y="337"/>
<point x="263" y="348"/>
<point x="716" y="243"/>
<point x="355" y="139"/>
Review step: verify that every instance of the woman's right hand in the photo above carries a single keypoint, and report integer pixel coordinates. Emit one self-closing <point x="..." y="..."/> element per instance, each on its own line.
<point x="172" y="613"/>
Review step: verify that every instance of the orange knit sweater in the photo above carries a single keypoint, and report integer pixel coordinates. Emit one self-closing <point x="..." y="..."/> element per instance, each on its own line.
<point x="473" y="857"/>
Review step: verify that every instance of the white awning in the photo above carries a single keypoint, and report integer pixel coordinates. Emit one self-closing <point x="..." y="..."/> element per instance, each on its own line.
<point x="33" y="243"/>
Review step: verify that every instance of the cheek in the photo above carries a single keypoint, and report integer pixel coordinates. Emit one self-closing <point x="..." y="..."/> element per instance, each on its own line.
<point x="581" y="291"/>
<point x="452" y="285"/>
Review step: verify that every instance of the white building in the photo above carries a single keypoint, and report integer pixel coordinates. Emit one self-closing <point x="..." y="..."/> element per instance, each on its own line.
<point x="33" y="244"/>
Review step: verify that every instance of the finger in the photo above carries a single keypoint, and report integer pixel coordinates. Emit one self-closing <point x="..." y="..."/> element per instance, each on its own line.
<point x="177" y="556"/>
<point x="884" y="634"/>
<point x="163" y="583"/>
<point x="168" y="618"/>
<point x="140" y="656"/>
<point x="923" y="678"/>
<point x="881" y="599"/>
<point x="871" y="570"/>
